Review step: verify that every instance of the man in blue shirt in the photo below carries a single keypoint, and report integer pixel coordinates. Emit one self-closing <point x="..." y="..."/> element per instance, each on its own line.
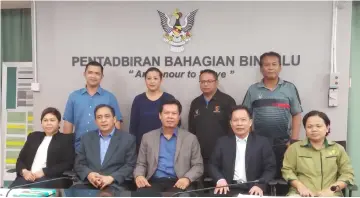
<point x="169" y="158"/>
<point x="79" y="110"/>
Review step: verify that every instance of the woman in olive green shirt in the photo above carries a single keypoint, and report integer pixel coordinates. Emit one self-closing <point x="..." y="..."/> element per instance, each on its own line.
<point x="314" y="165"/>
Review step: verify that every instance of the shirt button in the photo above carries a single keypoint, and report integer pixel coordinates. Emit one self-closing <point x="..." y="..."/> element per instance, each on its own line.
<point x="89" y="114"/>
<point x="88" y="122"/>
<point x="87" y="130"/>
<point x="90" y="106"/>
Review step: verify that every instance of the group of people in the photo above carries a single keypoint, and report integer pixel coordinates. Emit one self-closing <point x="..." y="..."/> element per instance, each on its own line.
<point x="248" y="144"/>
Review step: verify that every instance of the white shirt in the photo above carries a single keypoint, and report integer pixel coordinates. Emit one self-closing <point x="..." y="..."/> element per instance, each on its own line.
<point x="240" y="173"/>
<point x="41" y="155"/>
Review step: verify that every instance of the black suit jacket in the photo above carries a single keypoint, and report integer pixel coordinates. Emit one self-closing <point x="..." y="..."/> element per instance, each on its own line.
<point x="260" y="160"/>
<point x="60" y="154"/>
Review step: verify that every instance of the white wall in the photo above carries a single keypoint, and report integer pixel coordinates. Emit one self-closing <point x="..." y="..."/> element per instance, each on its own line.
<point x="67" y="29"/>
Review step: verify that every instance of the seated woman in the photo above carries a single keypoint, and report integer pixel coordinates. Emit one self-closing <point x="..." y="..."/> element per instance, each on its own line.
<point x="317" y="166"/>
<point x="46" y="155"/>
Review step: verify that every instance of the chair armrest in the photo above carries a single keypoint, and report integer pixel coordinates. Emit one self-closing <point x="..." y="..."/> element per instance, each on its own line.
<point x="13" y="170"/>
<point x="277" y="181"/>
<point x="272" y="182"/>
<point x="352" y="187"/>
<point x="71" y="174"/>
<point x="208" y="179"/>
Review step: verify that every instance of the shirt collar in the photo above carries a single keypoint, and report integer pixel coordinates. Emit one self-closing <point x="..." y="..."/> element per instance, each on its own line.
<point x="241" y="140"/>
<point x="307" y="143"/>
<point x="99" y="90"/>
<point x="215" y="96"/>
<point x="175" y="132"/>
<point x="110" y="135"/>
<point x="261" y="83"/>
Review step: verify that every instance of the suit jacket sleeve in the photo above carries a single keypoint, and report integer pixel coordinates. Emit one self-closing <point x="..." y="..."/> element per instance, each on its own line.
<point x="215" y="163"/>
<point x="67" y="162"/>
<point x="134" y="117"/>
<point x="20" y="163"/>
<point x="141" y="164"/>
<point x="269" y="164"/>
<point x="197" y="165"/>
<point x="191" y="123"/>
<point x="130" y="160"/>
<point x="81" y="166"/>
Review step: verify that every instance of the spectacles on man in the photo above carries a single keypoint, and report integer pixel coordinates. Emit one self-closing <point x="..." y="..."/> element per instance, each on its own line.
<point x="206" y="81"/>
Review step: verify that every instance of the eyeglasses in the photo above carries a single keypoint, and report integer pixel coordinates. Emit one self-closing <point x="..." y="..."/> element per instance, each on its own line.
<point x="206" y="81"/>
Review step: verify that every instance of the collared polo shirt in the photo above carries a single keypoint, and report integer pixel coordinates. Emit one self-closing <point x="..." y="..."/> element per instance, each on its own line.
<point x="80" y="108"/>
<point x="272" y="110"/>
<point x="166" y="159"/>
<point x="104" y="144"/>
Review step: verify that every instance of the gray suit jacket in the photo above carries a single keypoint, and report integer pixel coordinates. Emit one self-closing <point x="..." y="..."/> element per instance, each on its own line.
<point x="188" y="159"/>
<point x="119" y="161"/>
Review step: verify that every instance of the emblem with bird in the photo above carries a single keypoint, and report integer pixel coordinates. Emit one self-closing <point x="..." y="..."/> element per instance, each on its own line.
<point x="177" y="35"/>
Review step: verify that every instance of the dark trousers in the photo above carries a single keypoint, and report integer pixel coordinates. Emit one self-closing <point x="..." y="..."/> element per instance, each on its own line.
<point x="163" y="185"/>
<point x="279" y="148"/>
<point x="279" y="151"/>
<point x="60" y="184"/>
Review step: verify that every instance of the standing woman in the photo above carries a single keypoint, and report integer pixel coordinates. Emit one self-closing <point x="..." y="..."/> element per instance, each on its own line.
<point x="145" y="108"/>
<point x="46" y="154"/>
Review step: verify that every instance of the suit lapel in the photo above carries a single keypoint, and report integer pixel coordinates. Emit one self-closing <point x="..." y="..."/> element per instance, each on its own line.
<point x="52" y="145"/>
<point x="249" y="149"/>
<point x="179" y="140"/>
<point x="156" y="145"/>
<point x="96" y="149"/>
<point x="112" y="147"/>
<point x="232" y="153"/>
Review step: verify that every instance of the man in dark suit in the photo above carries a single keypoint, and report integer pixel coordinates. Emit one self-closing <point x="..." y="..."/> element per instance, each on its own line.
<point x="107" y="156"/>
<point x="242" y="157"/>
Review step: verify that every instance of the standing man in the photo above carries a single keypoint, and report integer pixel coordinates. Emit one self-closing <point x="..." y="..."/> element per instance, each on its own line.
<point x="276" y="107"/>
<point x="209" y="113"/>
<point x="79" y="110"/>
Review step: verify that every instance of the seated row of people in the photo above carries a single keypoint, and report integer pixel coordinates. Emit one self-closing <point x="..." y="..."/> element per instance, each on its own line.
<point x="170" y="160"/>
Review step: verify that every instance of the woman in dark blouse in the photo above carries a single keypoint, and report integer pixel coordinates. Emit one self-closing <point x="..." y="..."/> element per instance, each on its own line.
<point x="145" y="108"/>
<point x="46" y="154"/>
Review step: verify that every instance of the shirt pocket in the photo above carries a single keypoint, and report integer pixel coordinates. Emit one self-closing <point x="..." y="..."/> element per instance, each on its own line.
<point x="330" y="164"/>
<point x="306" y="165"/>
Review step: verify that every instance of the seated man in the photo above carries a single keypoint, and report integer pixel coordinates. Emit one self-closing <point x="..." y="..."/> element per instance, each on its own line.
<point x="169" y="158"/>
<point x="317" y="166"/>
<point x="106" y="156"/>
<point x="242" y="157"/>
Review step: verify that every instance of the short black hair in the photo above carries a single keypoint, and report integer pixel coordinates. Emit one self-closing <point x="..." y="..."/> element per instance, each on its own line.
<point x="104" y="105"/>
<point x="266" y="54"/>
<point x="52" y="111"/>
<point x="155" y="70"/>
<point x="94" y="63"/>
<point x="322" y="115"/>
<point x="171" y="101"/>
<point x="209" y="71"/>
<point x="240" y="107"/>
